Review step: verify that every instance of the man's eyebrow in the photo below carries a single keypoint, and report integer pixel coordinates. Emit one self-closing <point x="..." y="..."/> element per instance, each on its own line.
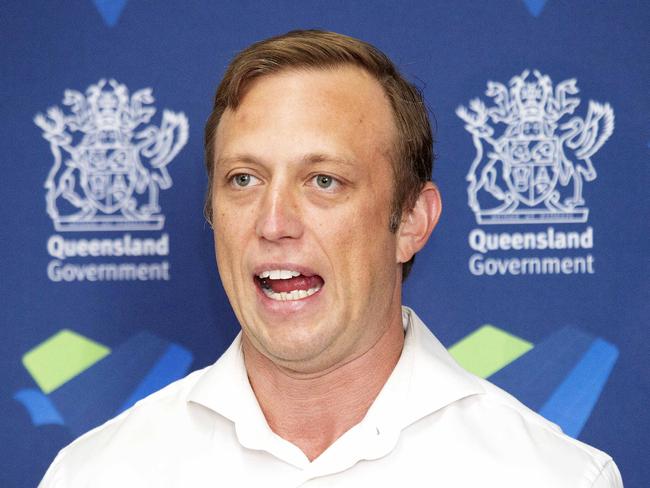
<point x="236" y="158"/>
<point x="311" y="158"/>
<point x="314" y="158"/>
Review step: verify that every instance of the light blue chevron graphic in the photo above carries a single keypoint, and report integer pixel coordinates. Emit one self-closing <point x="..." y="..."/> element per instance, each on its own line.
<point x="79" y="389"/>
<point x="561" y="377"/>
<point x="572" y="402"/>
<point x="110" y="10"/>
<point x="172" y="365"/>
<point x="535" y="7"/>
<point x="39" y="407"/>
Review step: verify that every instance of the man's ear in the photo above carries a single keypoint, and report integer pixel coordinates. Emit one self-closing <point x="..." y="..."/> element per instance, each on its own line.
<point x="417" y="225"/>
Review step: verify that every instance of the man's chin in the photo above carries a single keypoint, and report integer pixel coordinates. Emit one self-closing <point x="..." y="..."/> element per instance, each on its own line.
<point x="293" y="346"/>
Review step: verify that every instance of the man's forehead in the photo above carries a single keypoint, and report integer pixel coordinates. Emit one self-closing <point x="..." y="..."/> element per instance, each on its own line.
<point x="343" y="100"/>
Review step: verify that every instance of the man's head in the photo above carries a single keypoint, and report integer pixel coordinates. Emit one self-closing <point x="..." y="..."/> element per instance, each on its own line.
<point x="411" y="152"/>
<point x="302" y="164"/>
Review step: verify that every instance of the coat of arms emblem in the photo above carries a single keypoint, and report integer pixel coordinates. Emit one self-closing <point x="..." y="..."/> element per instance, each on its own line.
<point x="533" y="153"/>
<point x="110" y="163"/>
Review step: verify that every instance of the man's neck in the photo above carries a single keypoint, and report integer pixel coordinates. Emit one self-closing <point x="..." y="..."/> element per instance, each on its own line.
<point x="312" y="411"/>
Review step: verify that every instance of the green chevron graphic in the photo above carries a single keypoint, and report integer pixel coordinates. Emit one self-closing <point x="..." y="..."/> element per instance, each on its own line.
<point x="60" y="358"/>
<point x="488" y="349"/>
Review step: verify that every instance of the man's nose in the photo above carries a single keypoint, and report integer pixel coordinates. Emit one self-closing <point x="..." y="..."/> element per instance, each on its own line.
<point x="279" y="215"/>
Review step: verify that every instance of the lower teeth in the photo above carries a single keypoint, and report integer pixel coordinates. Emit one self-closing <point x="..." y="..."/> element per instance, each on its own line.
<point x="290" y="295"/>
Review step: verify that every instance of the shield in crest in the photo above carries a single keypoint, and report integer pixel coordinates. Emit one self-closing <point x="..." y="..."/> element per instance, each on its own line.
<point x="108" y="177"/>
<point x="531" y="168"/>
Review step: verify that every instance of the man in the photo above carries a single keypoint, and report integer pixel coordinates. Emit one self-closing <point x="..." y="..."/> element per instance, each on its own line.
<point x="319" y="159"/>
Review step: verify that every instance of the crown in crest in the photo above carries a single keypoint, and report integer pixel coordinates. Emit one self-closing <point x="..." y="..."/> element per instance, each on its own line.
<point x="531" y="95"/>
<point x="108" y="103"/>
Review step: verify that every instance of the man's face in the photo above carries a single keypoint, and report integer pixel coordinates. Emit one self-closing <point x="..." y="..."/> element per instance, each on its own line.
<point x="301" y="205"/>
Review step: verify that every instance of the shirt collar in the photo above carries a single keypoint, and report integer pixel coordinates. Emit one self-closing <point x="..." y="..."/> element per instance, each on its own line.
<point x="226" y="390"/>
<point x="425" y="379"/>
<point x="224" y="387"/>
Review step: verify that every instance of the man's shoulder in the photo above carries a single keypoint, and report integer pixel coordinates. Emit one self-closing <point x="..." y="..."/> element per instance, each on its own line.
<point x="505" y="406"/>
<point x="484" y="426"/>
<point x="524" y="441"/>
<point x="137" y="433"/>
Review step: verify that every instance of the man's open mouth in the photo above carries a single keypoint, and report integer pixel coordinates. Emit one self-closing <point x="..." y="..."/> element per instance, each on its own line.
<point x="286" y="284"/>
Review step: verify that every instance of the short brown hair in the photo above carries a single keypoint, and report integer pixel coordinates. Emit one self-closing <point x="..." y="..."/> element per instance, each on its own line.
<point x="314" y="49"/>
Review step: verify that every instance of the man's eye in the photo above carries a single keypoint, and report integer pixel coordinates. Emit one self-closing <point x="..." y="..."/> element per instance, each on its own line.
<point x="243" y="179"/>
<point x="325" y="182"/>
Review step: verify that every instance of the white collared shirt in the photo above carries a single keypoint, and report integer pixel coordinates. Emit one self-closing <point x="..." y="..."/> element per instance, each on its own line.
<point x="433" y="424"/>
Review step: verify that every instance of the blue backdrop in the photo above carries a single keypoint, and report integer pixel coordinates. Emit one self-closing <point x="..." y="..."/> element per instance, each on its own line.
<point x="537" y="276"/>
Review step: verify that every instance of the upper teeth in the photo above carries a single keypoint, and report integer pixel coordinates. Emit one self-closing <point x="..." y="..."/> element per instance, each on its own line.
<point x="279" y="274"/>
